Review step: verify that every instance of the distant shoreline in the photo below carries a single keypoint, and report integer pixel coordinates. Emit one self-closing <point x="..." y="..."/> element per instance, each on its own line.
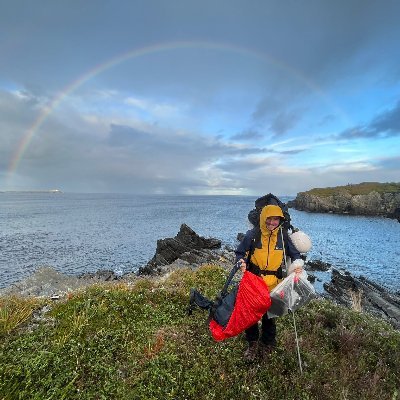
<point x="32" y="191"/>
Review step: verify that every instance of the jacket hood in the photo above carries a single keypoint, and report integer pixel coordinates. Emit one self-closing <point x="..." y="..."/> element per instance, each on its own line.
<point x="269" y="211"/>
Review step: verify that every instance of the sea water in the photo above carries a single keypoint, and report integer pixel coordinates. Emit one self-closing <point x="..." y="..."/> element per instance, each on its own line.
<point x="77" y="233"/>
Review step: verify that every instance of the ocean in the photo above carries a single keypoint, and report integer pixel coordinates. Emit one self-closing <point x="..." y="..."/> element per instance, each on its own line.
<point x="77" y="233"/>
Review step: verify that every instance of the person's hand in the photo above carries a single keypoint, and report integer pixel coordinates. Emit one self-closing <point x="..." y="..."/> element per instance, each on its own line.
<point x="298" y="270"/>
<point x="296" y="266"/>
<point x="242" y="265"/>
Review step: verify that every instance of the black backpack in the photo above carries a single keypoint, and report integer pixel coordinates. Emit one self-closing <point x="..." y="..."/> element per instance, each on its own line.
<point x="222" y="307"/>
<point x="269" y="199"/>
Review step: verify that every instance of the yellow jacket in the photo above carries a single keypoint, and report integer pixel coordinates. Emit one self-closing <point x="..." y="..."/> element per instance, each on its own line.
<point x="268" y="247"/>
<point x="270" y="256"/>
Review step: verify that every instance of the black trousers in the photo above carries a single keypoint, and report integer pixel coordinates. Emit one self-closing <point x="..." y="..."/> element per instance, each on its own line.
<point x="268" y="331"/>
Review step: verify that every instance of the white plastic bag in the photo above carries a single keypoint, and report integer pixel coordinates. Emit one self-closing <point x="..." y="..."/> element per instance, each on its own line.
<point x="292" y="293"/>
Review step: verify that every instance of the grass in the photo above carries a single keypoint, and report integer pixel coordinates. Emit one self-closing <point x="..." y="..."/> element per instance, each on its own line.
<point x="15" y="311"/>
<point x="137" y="342"/>
<point x="358" y="189"/>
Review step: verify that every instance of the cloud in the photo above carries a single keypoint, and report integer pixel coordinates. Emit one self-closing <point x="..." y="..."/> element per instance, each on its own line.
<point x="248" y="135"/>
<point x="127" y="136"/>
<point x="137" y="105"/>
<point x="389" y="164"/>
<point x="277" y="116"/>
<point x="386" y="124"/>
<point x="284" y="122"/>
<point x="154" y="109"/>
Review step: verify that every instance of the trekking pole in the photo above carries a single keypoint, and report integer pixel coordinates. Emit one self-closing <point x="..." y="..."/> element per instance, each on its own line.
<point x="294" y="321"/>
<point x="297" y="344"/>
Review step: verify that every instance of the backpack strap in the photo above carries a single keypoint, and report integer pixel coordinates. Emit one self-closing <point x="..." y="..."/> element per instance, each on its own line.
<point x="256" y="239"/>
<point x="284" y="266"/>
<point x="224" y="290"/>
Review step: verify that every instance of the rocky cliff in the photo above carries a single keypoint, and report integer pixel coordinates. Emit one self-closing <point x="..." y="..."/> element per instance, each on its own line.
<point x="351" y="199"/>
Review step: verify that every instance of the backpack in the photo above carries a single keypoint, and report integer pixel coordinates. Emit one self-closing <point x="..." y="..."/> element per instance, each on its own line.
<point x="254" y="218"/>
<point x="269" y="199"/>
<point x="233" y="312"/>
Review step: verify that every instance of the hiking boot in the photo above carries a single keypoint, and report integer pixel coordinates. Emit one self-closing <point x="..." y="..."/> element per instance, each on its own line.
<point x="251" y="352"/>
<point x="265" y="350"/>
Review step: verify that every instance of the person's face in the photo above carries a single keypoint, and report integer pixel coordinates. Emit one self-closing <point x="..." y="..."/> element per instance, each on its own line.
<point x="272" y="223"/>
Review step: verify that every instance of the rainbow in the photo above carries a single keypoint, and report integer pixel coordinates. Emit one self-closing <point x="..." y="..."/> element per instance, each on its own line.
<point x="135" y="53"/>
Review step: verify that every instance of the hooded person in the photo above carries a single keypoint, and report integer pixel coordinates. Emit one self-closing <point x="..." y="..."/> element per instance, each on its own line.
<point x="262" y="252"/>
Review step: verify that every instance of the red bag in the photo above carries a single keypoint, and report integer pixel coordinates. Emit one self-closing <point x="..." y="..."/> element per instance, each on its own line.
<point x="252" y="302"/>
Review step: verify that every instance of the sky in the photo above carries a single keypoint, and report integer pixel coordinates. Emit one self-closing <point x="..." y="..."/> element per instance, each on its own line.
<point x="219" y="97"/>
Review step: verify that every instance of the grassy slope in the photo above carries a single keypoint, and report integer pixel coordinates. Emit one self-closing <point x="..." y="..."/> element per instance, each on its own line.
<point x="136" y="342"/>
<point x="361" y="188"/>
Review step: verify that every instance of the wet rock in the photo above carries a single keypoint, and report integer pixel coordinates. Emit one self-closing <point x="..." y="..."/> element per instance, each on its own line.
<point x="103" y="275"/>
<point x="311" y="278"/>
<point x="240" y="236"/>
<point x="317" y="265"/>
<point x="365" y="295"/>
<point x="45" y="282"/>
<point x="186" y="246"/>
<point x="395" y="214"/>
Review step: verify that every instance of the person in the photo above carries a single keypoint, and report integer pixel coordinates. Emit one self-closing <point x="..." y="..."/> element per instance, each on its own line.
<point x="262" y="253"/>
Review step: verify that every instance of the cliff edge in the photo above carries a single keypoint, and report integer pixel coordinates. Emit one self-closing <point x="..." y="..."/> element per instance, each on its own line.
<point x="367" y="198"/>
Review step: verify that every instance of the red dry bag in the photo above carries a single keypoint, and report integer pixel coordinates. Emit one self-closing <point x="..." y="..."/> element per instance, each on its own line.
<point x="251" y="303"/>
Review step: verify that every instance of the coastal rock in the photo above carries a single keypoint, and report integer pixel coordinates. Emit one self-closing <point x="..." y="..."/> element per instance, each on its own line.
<point x="103" y="275"/>
<point x="362" y="294"/>
<point x="45" y="282"/>
<point x="317" y="265"/>
<point x="186" y="246"/>
<point x="341" y="200"/>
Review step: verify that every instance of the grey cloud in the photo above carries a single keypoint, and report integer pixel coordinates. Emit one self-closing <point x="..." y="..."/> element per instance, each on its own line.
<point x="238" y="52"/>
<point x="249" y="134"/>
<point x="391" y="164"/>
<point x="284" y="121"/>
<point x="125" y="136"/>
<point x="332" y="35"/>
<point x="247" y="151"/>
<point x="306" y="37"/>
<point x="290" y="152"/>
<point x="127" y="159"/>
<point x="278" y="115"/>
<point x="243" y="167"/>
<point x="17" y="115"/>
<point x="386" y="124"/>
<point x="267" y="107"/>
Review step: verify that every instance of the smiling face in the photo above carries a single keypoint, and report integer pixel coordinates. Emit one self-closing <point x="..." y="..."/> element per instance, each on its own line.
<point x="272" y="223"/>
<point x="270" y="218"/>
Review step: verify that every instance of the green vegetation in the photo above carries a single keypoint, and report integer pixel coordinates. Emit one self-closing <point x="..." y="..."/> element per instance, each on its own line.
<point x="361" y="188"/>
<point x="136" y="342"/>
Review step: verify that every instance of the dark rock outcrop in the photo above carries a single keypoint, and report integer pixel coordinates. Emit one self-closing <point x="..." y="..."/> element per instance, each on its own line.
<point x="102" y="275"/>
<point x="395" y="214"/>
<point x="341" y="201"/>
<point x="317" y="265"/>
<point x="187" y="248"/>
<point x="362" y="294"/>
